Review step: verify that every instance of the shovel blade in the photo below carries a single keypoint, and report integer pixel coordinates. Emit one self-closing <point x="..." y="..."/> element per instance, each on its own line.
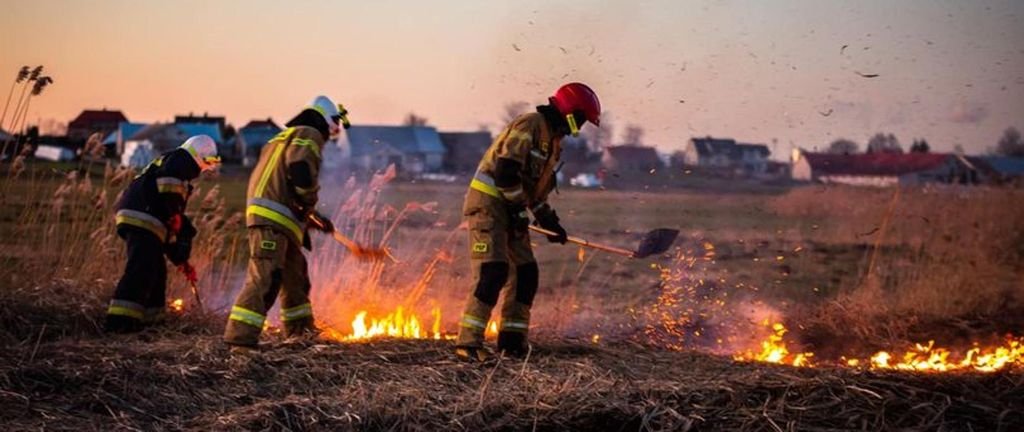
<point x="656" y="242"/>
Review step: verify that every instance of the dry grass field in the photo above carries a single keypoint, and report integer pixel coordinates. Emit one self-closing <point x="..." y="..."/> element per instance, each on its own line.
<point x="620" y="344"/>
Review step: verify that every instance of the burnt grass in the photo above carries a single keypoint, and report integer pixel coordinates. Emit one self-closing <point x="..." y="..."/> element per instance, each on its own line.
<point x="57" y="372"/>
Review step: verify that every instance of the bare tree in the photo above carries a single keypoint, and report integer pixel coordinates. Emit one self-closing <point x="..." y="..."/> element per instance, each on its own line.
<point x="843" y="146"/>
<point x="633" y="136"/>
<point x="882" y="143"/>
<point x="414" y="120"/>
<point x="513" y="110"/>
<point x="920" y="146"/>
<point x="1010" y="144"/>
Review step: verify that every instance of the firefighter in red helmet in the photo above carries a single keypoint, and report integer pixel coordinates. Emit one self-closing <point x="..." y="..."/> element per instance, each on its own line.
<point x="513" y="181"/>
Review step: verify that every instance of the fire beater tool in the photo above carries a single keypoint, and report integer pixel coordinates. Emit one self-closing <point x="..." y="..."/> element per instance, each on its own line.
<point x="654" y="242"/>
<point x="193" y="279"/>
<point x="359" y="251"/>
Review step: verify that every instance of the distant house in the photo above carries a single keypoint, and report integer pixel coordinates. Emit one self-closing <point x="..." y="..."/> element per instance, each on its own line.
<point x="94" y="121"/>
<point x="463" y="151"/>
<point x="726" y="154"/>
<point x="219" y="121"/>
<point x="252" y="137"/>
<point x="413" y="150"/>
<point x="628" y="159"/>
<point x="114" y="142"/>
<point x="883" y="169"/>
<point x="999" y="169"/>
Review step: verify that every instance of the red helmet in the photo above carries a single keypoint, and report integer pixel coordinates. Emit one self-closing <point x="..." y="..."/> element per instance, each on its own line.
<point x="577" y="98"/>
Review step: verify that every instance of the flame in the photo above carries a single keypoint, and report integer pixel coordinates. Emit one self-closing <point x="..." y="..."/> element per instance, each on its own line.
<point x="492" y="330"/>
<point x="177" y="306"/>
<point x="774" y="350"/>
<point x="397" y="324"/>
<point x="921" y="358"/>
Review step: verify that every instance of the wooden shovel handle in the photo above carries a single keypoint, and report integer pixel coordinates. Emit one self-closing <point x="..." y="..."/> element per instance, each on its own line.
<point x="584" y="242"/>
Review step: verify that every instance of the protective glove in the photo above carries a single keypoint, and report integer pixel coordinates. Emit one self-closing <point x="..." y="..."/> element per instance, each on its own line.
<point x="545" y="217"/>
<point x="180" y="251"/>
<point x="320" y="222"/>
<point x="307" y="243"/>
<point x="519" y="219"/>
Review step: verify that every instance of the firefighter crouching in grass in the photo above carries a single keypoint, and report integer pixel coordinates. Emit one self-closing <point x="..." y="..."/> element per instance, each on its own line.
<point x="516" y="173"/>
<point x="281" y="198"/>
<point x="151" y="219"/>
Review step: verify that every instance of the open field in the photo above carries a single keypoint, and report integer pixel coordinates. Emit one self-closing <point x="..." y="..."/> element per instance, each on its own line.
<point x="620" y="344"/>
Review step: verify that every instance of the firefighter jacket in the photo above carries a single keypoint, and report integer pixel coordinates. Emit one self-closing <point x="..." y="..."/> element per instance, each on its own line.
<point x="283" y="186"/>
<point x="525" y="146"/>
<point x="159" y="194"/>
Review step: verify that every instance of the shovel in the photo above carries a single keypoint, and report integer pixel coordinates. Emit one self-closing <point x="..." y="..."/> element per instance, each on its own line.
<point x="654" y="242"/>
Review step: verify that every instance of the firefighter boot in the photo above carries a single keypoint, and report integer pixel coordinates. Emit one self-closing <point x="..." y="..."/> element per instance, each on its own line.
<point x="122" y="324"/>
<point x="515" y="311"/>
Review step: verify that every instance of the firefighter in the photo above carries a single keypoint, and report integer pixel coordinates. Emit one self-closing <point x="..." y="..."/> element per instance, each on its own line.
<point x="516" y="174"/>
<point x="281" y="198"/>
<point x="151" y="219"/>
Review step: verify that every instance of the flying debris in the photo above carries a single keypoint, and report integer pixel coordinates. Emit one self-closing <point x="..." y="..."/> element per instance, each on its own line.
<point x="682" y="101"/>
<point x="825" y="113"/>
<point x="516" y="47"/>
<point x="864" y="75"/>
<point x="563" y="50"/>
<point x="843" y="48"/>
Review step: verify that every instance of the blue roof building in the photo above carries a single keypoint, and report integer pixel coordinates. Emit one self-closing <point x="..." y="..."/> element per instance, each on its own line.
<point x="252" y="137"/>
<point x="413" y="150"/>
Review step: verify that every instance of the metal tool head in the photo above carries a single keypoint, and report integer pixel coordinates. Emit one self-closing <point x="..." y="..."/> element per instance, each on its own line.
<point x="656" y="242"/>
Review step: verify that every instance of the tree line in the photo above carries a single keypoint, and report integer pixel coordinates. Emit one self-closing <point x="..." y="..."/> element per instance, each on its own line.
<point x="1010" y="144"/>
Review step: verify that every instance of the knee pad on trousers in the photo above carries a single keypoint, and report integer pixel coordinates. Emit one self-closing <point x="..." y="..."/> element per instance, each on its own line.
<point x="527" y="280"/>
<point x="275" y="286"/>
<point x="492" y="277"/>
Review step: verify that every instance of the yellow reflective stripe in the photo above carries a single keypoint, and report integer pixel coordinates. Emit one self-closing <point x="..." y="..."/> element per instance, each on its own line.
<point x="133" y="220"/>
<point x="123" y="311"/>
<point x="297" y="312"/>
<point x="271" y="164"/>
<point x="172" y="188"/>
<point x="514" y="325"/>
<point x="306" y="142"/>
<point x="247" y="316"/>
<point x="278" y="218"/>
<point x="485" y="188"/>
<point x="125" y="308"/>
<point x="473" y="322"/>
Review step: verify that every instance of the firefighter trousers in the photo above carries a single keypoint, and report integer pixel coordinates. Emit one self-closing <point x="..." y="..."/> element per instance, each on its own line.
<point x="140" y="296"/>
<point x="276" y="265"/>
<point x="502" y="260"/>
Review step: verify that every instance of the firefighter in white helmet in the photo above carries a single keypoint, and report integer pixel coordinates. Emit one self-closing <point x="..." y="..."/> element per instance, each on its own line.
<point x="281" y="199"/>
<point x="151" y="219"/>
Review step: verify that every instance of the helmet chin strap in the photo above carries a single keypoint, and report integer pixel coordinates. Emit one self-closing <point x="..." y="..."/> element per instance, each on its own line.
<point x="573" y="128"/>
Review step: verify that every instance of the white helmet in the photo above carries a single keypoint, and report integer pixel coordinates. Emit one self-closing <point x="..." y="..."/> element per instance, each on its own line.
<point x="203" y="151"/>
<point x="334" y="114"/>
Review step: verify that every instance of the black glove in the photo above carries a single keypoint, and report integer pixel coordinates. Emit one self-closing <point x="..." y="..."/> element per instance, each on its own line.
<point x="519" y="219"/>
<point x="307" y="243"/>
<point x="547" y="218"/>
<point x="180" y="251"/>
<point x="320" y="222"/>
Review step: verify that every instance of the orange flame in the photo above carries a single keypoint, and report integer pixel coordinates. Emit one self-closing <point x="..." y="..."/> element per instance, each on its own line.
<point x="177" y="306"/>
<point x="398" y="324"/>
<point x="922" y="358"/>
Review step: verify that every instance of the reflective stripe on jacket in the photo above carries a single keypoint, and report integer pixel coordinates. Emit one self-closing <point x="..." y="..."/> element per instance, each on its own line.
<point x="272" y="198"/>
<point x="527" y="140"/>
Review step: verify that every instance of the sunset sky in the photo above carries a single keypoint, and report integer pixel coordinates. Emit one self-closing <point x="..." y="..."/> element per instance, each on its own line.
<point x="759" y="71"/>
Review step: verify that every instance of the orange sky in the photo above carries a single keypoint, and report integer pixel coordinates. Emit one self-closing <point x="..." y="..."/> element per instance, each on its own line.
<point x="952" y="72"/>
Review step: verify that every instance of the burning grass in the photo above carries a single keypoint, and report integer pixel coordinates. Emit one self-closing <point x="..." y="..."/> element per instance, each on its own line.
<point x="173" y="379"/>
